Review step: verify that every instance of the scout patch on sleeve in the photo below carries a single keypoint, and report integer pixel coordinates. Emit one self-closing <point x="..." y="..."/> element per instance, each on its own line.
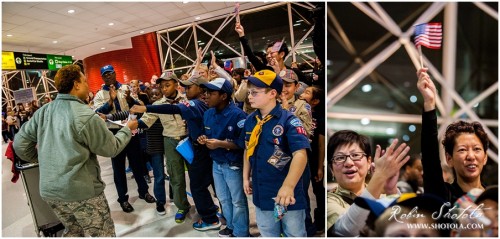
<point x="301" y="130"/>
<point x="293" y="109"/>
<point x="186" y="104"/>
<point x="191" y="103"/>
<point x="296" y="122"/>
<point x="241" y="123"/>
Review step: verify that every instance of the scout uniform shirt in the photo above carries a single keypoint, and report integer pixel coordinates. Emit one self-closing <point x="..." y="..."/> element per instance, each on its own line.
<point x="192" y="112"/>
<point x="225" y="125"/>
<point x="282" y="135"/>
<point x="173" y="125"/>
<point x="302" y="110"/>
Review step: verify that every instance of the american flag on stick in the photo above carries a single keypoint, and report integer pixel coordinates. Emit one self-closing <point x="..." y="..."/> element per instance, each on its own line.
<point x="237" y="11"/>
<point x="429" y="35"/>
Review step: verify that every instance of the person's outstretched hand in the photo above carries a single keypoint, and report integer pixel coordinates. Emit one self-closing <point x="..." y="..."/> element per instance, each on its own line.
<point x="239" y="29"/>
<point x="427" y="89"/>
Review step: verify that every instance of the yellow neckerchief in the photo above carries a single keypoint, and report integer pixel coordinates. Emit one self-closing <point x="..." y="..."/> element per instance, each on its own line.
<point x="254" y="137"/>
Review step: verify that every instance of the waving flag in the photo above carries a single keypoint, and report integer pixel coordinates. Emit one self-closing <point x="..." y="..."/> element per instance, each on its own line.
<point x="237" y="11"/>
<point x="429" y="35"/>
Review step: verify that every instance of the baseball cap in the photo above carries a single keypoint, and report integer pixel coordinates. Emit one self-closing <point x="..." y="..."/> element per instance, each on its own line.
<point x="167" y="75"/>
<point x="194" y="80"/>
<point x="266" y="79"/>
<point x="490" y="192"/>
<point x="219" y="84"/>
<point x="107" y="68"/>
<point x="426" y="202"/>
<point x="289" y="75"/>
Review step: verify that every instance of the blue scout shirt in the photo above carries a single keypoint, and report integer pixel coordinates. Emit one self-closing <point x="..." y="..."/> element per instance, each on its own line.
<point x="191" y="111"/>
<point x="225" y="125"/>
<point x="270" y="162"/>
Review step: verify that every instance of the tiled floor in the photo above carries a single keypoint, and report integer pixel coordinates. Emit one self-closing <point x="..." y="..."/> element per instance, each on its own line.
<point x="142" y="222"/>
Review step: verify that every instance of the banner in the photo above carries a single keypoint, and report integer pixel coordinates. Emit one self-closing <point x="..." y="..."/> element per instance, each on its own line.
<point x="24" y="95"/>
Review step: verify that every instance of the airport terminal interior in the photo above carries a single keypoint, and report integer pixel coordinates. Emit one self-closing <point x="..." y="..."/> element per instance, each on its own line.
<point x="369" y="67"/>
<point x="140" y="39"/>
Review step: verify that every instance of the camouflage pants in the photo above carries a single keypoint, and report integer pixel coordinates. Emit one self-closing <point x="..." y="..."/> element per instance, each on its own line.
<point x="90" y="217"/>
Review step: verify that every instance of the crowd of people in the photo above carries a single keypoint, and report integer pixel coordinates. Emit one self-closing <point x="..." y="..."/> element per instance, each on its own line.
<point x="256" y="131"/>
<point x="413" y="196"/>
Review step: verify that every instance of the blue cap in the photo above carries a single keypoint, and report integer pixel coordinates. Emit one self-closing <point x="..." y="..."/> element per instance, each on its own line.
<point x="219" y="84"/>
<point x="107" y="68"/>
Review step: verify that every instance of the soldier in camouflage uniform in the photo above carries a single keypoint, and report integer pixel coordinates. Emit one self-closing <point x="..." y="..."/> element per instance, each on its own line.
<point x="69" y="135"/>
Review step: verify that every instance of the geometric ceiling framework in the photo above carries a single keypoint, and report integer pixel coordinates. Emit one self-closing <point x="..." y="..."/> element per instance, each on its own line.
<point x="364" y="63"/>
<point x="178" y="45"/>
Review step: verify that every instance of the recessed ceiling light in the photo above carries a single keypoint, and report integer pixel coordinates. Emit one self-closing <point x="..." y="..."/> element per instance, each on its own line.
<point x="198" y="18"/>
<point x="185" y="2"/>
<point x="141" y="32"/>
<point x="111" y="24"/>
<point x="73" y="56"/>
<point x="54" y="42"/>
<point x="9" y="35"/>
<point x="102" y="48"/>
<point x="71" y="11"/>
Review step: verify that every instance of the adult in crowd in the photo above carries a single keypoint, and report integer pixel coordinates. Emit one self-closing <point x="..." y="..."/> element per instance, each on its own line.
<point x="465" y="145"/>
<point x="411" y="176"/>
<point x="71" y="183"/>
<point x="113" y="98"/>
<point x="349" y="155"/>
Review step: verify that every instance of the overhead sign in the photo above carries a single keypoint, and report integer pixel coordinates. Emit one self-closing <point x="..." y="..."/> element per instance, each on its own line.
<point x="8" y="62"/>
<point x="33" y="61"/>
<point x="57" y="62"/>
<point x="24" y="95"/>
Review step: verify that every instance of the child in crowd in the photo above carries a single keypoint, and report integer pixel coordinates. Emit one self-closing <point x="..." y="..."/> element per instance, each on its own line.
<point x="200" y="169"/>
<point x="298" y="107"/>
<point x="174" y="129"/>
<point x="223" y="126"/>
<point x="315" y="96"/>
<point x="276" y="157"/>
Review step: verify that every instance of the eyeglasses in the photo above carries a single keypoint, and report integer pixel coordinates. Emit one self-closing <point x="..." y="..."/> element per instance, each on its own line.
<point x="341" y="158"/>
<point x="254" y="93"/>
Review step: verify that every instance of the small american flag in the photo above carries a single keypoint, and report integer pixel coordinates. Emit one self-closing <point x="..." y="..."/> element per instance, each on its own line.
<point x="429" y="35"/>
<point x="237" y="11"/>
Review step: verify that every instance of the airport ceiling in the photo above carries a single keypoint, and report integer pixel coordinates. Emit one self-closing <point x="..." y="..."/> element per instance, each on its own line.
<point x="51" y="28"/>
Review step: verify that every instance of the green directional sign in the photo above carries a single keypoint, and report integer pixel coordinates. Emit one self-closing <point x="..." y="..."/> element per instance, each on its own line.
<point x="56" y="62"/>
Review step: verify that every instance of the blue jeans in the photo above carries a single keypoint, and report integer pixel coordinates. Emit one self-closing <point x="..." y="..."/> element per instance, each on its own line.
<point x="159" y="174"/>
<point x="292" y="223"/>
<point x="228" y="182"/>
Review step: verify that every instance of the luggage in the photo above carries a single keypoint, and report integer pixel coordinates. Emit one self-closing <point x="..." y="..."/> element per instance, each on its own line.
<point x="46" y="222"/>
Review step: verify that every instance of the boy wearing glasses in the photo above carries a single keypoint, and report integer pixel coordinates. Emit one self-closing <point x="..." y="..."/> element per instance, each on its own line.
<point x="223" y="126"/>
<point x="275" y="156"/>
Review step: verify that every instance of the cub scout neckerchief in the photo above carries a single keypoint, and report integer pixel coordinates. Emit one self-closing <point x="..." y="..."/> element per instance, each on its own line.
<point x="254" y="137"/>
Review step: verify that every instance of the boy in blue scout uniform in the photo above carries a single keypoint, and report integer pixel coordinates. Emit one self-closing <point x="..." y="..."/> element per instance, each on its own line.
<point x="276" y="155"/>
<point x="224" y="123"/>
<point x="200" y="170"/>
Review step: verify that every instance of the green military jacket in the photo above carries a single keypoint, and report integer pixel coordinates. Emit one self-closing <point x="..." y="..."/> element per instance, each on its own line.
<point x="68" y="135"/>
